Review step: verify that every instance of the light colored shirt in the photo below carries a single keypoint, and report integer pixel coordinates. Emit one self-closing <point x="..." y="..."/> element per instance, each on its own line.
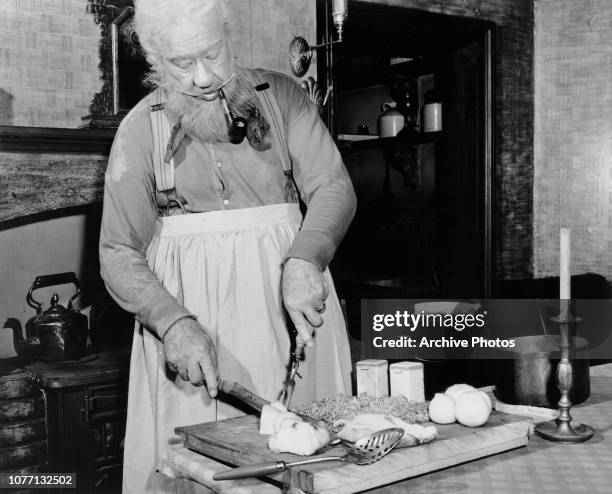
<point x="214" y="177"/>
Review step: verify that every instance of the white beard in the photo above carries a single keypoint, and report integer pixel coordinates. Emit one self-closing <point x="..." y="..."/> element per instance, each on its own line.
<point x="205" y="120"/>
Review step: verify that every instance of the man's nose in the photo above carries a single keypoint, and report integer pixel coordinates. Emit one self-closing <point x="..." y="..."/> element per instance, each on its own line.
<point x="203" y="77"/>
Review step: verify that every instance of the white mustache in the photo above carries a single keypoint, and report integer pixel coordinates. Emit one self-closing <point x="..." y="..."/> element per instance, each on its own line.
<point x="210" y="96"/>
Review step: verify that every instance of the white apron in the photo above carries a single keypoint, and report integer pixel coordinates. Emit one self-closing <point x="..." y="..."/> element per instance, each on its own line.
<point x="225" y="268"/>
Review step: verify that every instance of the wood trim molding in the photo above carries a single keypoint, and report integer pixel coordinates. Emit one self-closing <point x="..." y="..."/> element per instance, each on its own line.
<point x="55" y="140"/>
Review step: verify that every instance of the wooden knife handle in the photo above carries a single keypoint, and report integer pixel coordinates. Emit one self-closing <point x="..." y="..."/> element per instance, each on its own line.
<point x="243" y="394"/>
<point x="257" y="470"/>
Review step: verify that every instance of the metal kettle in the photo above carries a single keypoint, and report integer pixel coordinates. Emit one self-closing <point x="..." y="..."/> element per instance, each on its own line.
<point x="57" y="334"/>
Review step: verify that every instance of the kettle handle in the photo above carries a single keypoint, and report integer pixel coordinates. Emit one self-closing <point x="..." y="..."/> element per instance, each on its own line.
<point x="52" y="280"/>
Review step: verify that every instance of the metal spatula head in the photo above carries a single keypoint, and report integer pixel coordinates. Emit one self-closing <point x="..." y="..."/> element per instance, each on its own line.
<point x="367" y="450"/>
<point x="372" y="448"/>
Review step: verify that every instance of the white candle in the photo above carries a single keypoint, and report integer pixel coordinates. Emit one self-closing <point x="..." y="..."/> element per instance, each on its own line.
<point x="339" y="7"/>
<point x="565" y="292"/>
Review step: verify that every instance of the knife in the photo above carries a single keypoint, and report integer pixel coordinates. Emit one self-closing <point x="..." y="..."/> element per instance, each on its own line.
<point x="243" y="394"/>
<point x="256" y="402"/>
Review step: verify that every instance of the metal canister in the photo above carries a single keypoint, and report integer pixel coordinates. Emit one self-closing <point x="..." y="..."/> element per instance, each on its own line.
<point x="372" y="377"/>
<point x="407" y="379"/>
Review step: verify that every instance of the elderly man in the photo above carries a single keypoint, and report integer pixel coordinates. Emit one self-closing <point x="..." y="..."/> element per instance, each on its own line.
<point x="202" y="237"/>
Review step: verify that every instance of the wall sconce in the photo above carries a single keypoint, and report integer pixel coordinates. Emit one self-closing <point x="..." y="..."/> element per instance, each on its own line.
<point x="300" y="52"/>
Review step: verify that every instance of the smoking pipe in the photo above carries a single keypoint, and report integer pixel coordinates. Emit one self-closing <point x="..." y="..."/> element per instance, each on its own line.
<point x="236" y="126"/>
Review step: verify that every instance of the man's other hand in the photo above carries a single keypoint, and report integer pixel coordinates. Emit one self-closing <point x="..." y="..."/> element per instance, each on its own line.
<point x="304" y="292"/>
<point x="190" y="351"/>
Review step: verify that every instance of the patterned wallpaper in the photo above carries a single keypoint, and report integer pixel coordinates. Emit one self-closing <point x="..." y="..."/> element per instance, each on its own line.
<point x="48" y="62"/>
<point x="573" y="134"/>
<point x="49" y="53"/>
<point x="266" y="27"/>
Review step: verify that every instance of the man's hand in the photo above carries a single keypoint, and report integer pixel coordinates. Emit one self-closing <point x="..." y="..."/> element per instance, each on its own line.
<point x="190" y="351"/>
<point x="304" y="293"/>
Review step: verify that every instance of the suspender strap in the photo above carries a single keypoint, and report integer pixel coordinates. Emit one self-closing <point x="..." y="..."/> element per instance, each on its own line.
<point x="275" y="118"/>
<point x="164" y="170"/>
<point x="162" y="137"/>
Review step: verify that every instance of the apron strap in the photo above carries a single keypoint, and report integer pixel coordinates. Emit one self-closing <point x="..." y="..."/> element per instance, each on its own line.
<point x="275" y="118"/>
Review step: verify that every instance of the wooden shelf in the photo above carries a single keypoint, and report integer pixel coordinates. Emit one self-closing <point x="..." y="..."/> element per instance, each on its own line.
<point x="414" y="138"/>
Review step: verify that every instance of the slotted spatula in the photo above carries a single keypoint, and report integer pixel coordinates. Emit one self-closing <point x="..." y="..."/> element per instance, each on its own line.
<point x="367" y="450"/>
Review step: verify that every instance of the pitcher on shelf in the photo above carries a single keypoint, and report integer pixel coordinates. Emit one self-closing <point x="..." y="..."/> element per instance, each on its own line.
<point x="391" y="122"/>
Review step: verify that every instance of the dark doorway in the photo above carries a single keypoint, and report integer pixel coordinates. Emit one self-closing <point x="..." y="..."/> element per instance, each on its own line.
<point x="423" y="228"/>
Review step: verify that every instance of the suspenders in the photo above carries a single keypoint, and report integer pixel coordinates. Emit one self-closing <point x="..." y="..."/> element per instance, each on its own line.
<point x="275" y="118"/>
<point x="164" y="170"/>
<point x="163" y="136"/>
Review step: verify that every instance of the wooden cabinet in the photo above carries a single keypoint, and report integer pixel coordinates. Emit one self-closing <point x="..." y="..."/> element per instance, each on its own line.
<point x="86" y="405"/>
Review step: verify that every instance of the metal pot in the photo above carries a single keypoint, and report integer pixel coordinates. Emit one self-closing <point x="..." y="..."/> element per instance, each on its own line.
<point x="530" y="377"/>
<point x="57" y="334"/>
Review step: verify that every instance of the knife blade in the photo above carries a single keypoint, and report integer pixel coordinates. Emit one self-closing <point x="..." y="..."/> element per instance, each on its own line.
<point x="256" y="402"/>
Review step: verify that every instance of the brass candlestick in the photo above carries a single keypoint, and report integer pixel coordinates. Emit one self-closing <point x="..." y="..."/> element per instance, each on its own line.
<point x="562" y="430"/>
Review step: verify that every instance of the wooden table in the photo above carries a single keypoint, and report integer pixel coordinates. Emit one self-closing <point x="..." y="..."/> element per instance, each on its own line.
<point x="540" y="467"/>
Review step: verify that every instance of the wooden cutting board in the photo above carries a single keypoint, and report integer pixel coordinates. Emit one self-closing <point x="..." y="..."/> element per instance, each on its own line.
<point x="237" y="442"/>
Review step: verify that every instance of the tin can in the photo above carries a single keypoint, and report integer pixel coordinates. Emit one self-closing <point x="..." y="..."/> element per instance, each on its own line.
<point x="372" y="377"/>
<point x="407" y="379"/>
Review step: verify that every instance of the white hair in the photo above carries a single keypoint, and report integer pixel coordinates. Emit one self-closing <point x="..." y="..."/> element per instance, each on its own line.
<point x="155" y="20"/>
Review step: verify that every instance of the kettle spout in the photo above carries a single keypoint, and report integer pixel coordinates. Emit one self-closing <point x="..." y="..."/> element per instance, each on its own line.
<point x="22" y="346"/>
